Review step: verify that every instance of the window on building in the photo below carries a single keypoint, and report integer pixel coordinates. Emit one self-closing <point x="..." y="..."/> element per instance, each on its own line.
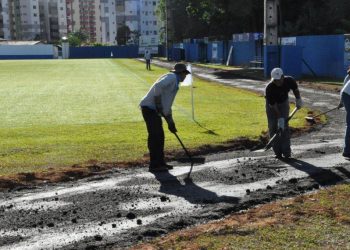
<point x="154" y="3"/>
<point x="34" y="7"/>
<point x="34" y="14"/>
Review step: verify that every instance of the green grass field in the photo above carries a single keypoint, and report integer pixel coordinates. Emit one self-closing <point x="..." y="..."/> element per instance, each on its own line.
<point x="56" y="113"/>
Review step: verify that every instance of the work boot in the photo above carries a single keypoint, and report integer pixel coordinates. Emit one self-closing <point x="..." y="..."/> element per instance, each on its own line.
<point x="167" y="166"/>
<point x="278" y="156"/>
<point x="286" y="155"/>
<point x="159" y="168"/>
<point x="346" y="155"/>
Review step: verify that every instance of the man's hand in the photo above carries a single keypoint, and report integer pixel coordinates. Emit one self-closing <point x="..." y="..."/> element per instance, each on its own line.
<point x="171" y="127"/>
<point x="298" y="103"/>
<point x="280" y="123"/>
<point x="171" y="123"/>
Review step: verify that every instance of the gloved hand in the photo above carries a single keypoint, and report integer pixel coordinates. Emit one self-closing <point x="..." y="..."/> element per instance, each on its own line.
<point x="280" y="123"/>
<point x="298" y="103"/>
<point x="171" y="123"/>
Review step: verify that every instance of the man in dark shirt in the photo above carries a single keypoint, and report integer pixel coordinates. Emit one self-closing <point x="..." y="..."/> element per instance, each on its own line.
<point x="277" y="109"/>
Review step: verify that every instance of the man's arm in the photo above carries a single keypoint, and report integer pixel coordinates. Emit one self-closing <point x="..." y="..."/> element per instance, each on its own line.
<point x="298" y="100"/>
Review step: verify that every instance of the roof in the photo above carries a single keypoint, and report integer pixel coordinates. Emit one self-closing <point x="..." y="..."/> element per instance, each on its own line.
<point x="9" y="42"/>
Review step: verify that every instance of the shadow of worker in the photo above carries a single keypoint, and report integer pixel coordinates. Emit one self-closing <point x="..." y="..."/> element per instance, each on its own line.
<point x="169" y="184"/>
<point x="321" y="175"/>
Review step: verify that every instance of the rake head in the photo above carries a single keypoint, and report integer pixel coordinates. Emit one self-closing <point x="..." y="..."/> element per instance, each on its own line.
<point x="310" y="119"/>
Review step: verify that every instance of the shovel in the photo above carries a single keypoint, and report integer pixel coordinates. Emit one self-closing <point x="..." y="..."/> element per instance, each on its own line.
<point x="311" y="119"/>
<point x="278" y="133"/>
<point x="192" y="160"/>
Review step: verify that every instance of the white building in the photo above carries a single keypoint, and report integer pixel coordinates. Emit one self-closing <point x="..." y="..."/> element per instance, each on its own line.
<point x="149" y="25"/>
<point x="109" y="22"/>
<point x="53" y="19"/>
<point x="20" y="19"/>
<point x="100" y="19"/>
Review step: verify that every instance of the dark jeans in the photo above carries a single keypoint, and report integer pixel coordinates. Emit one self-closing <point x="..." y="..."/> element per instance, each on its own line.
<point x="155" y="136"/>
<point x="282" y="144"/>
<point x="148" y="64"/>
<point x="346" y="100"/>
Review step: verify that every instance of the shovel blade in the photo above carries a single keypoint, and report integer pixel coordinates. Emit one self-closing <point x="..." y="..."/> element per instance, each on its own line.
<point x="271" y="142"/>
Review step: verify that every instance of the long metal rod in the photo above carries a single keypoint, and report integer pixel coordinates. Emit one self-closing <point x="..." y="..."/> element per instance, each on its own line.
<point x="279" y="132"/>
<point x="187" y="153"/>
<point x="184" y="148"/>
<point x="324" y="112"/>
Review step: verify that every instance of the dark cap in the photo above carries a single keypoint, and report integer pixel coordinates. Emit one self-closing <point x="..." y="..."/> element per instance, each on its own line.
<point x="180" y="68"/>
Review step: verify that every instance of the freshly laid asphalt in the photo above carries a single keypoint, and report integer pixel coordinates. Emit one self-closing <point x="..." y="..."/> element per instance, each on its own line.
<point x="132" y="205"/>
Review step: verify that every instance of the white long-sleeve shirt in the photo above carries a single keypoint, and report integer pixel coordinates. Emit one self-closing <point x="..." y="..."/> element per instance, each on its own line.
<point x="148" y="56"/>
<point x="166" y="87"/>
<point x="346" y="87"/>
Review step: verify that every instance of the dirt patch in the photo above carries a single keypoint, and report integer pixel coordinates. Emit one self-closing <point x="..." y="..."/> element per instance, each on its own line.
<point x="324" y="86"/>
<point x="245" y="73"/>
<point x="273" y="215"/>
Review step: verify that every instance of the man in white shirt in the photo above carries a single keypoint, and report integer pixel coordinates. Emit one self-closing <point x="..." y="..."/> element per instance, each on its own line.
<point x="148" y="59"/>
<point x="345" y="102"/>
<point x="156" y="104"/>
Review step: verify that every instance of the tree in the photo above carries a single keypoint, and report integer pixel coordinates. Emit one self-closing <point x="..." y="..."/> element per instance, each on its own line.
<point x="77" y="38"/>
<point x="123" y="35"/>
<point x="207" y="18"/>
<point x="220" y="19"/>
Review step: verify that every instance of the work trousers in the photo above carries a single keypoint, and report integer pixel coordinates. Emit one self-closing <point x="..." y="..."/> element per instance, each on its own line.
<point x="155" y="136"/>
<point x="346" y="101"/>
<point x="282" y="143"/>
<point x="148" y="64"/>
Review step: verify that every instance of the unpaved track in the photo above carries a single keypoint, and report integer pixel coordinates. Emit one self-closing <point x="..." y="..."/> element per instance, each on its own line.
<point x="127" y="206"/>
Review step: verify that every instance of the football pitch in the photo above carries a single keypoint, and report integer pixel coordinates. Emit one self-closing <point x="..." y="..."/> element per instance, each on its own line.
<point x="56" y="113"/>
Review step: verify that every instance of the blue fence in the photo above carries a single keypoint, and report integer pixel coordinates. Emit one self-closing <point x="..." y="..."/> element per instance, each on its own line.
<point x="324" y="55"/>
<point x="243" y="52"/>
<point x="321" y="56"/>
<point x="104" y="52"/>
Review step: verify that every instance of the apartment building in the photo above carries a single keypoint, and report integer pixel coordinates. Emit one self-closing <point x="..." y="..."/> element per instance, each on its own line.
<point x="109" y="21"/>
<point x="1" y="23"/>
<point x="20" y="19"/>
<point x="53" y="19"/>
<point x="50" y="20"/>
<point x="149" y="24"/>
<point x="85" y="15"/>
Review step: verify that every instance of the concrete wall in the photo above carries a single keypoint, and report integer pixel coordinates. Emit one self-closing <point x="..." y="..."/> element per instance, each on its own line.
<point x="27" y="52"/>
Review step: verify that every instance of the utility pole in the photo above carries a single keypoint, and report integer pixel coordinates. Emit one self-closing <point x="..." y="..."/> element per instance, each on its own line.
<point x="271" y="22"/>
<point x="169" y="27"/>
<point x="271" y="48"/>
